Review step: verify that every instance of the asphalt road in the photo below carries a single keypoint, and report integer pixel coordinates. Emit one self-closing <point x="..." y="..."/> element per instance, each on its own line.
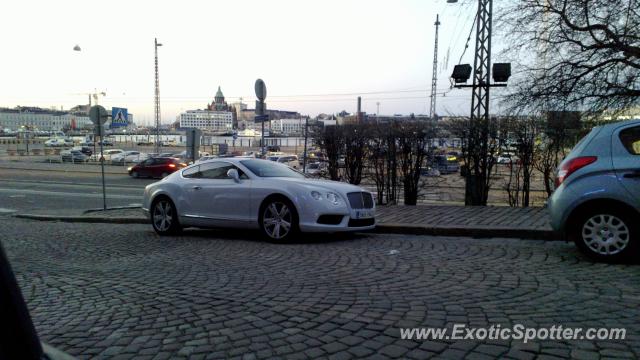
<point x="121" y="291"/>
<point x="63" y="189"/>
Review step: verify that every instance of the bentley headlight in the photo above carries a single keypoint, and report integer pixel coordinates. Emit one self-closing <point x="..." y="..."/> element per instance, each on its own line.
<point x="316" y="195"/>
<point x="333" y="198"/>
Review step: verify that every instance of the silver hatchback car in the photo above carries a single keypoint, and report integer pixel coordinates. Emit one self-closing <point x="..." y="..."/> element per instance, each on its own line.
<point x="596" y="202"/>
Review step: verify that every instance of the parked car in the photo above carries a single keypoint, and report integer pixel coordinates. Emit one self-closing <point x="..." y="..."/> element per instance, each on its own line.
<point x="504" y="159"/>
<point x="57" y="142"/>
<point x="316" y="168"/>
<point x="255" y="193"/>
<point x="169" y="143"/>
<point x="145" y="143"/>
<point x="108" y="154"/>
<point x="445" y="164"/>
<point x="596" y="202"/>
<point x="105" y="142"/>
<point x="289" y="160"/>
<point x="429" y="172"/>
<point x="157" y="167"/>
<point x="74" y="156"/>
<point x="84" y="149"/>
<point x="128" y="157"/>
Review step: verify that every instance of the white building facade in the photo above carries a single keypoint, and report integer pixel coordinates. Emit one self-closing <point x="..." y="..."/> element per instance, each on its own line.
<point x="214" y="121"/>
<point x="288" y="126"/>
<point x="42" y="120"/>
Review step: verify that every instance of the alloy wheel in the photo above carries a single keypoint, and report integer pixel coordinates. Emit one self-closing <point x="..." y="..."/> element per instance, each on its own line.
<point x="277" y="220"/>
<point x="605" y="234"/>
<point x="163" y="215"/>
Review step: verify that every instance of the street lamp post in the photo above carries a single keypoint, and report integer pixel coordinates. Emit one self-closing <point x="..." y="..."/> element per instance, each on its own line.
<point x="157" y="99"/>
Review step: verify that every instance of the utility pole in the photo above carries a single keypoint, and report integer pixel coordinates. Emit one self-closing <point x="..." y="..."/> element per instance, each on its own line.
<point x="306" y="134"/>
<point x="378" y="108"/>
<point x="157" y="100"/>
<point x="434" y="76"/>
<point x="477" y="175"/>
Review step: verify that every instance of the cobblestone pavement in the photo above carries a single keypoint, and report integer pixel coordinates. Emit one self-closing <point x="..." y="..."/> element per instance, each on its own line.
<point x="120" y="291"/>
<point x="472" y="216"/>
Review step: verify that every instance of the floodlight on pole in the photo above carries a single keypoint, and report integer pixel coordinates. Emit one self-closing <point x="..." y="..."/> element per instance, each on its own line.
<point x="501" y="72"/>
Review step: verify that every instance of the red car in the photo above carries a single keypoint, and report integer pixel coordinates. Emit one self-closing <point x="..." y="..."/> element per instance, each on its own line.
<point x="156" y="167"/>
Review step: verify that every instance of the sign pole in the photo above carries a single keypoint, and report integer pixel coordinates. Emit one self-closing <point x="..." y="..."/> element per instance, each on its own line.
<point x="262" y="140"/>
<point x="104" y="191"/>
<point x="261" y="94"/>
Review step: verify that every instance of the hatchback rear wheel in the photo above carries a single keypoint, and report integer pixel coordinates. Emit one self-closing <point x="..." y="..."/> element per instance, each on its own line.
<point x="605" y="234"/>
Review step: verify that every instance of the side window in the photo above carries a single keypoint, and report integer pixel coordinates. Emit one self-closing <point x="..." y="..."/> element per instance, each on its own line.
<point x="192" y="172"/>
<point x="215" y="170"/>
<point x="218" y="170"/>
<point x="630" y="139"/>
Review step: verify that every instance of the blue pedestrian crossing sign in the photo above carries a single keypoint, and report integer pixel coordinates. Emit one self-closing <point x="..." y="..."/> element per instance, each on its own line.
<point x="119" y="117"/>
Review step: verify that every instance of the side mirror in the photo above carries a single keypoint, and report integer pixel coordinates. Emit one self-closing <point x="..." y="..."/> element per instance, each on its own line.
<point x="233" y="174"/>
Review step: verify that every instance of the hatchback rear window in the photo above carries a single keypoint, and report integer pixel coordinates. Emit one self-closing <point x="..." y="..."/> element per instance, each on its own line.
<point x="630" y="139"/>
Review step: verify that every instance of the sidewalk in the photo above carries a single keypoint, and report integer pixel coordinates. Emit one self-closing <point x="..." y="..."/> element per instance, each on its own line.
<point x="41" y="165"/>
<point x="475" y="221"/>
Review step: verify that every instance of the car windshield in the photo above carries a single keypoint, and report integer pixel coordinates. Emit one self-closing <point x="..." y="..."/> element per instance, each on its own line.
<point x="264" y="168"/>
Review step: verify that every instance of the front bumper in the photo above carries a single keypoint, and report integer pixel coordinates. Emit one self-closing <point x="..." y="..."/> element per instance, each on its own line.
<point x="352" y="221"/>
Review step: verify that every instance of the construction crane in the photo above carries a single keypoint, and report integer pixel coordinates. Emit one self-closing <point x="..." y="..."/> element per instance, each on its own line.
<point x="434" y="77"/>
<point x="95" y="94"/>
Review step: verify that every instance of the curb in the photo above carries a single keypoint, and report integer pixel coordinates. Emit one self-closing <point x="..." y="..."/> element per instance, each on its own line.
<point x="82" y="171"/>
<point x="84" y="219"/>
<point x="126" y="207"/>
<point x="476" y="232"/>
<point x="381" y="228"/>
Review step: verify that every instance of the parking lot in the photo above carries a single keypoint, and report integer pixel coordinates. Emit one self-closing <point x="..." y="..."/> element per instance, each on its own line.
<point x="100" y="290"/>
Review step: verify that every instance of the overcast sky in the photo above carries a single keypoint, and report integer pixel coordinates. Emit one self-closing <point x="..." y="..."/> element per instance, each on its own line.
<point x="315" y="56"/>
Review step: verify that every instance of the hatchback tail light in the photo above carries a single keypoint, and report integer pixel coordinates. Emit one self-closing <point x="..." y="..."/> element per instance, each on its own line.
<point x="572" y="166"/>
<point x="172" y="165"/>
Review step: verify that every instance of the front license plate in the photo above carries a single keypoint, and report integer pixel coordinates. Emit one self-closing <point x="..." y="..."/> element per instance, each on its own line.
<point x="363" y="214"/>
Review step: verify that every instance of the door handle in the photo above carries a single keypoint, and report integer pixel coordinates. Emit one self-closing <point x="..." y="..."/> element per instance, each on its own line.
<point x="635" y="174"/>
<point x="197" y="187"/>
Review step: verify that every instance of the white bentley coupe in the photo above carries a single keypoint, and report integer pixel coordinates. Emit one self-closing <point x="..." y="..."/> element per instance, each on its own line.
<point x="262" y="194"/>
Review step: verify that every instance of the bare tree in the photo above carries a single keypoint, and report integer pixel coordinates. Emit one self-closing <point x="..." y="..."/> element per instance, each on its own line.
<point x="560" y="131"/>
<point x="588" y="54"/>
<point x="524" y="131"/>
<point x="355" y="139"/>
<point x="331" y="141"/>
<point x="377" y="159"/>
<point x="414" y="139"/>
<point x="480" y="142"/>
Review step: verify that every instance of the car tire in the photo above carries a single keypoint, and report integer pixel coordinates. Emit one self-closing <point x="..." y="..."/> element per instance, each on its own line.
<point x="164" y="217"/>
<point x="606" y="234"/>
<point x="277" y="215"/>
<point x="135" y="174"/>
<point x="164" y="175"/>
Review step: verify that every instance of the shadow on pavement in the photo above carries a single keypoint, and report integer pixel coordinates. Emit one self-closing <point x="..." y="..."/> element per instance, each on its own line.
<point x="255" y="235"/>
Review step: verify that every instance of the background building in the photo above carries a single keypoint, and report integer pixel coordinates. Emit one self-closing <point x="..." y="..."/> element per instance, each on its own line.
<point x="43" y="119"/>
<point x="212" y="121"/>
<point x="218" y="117"/>
<point x="288" y="127"/>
